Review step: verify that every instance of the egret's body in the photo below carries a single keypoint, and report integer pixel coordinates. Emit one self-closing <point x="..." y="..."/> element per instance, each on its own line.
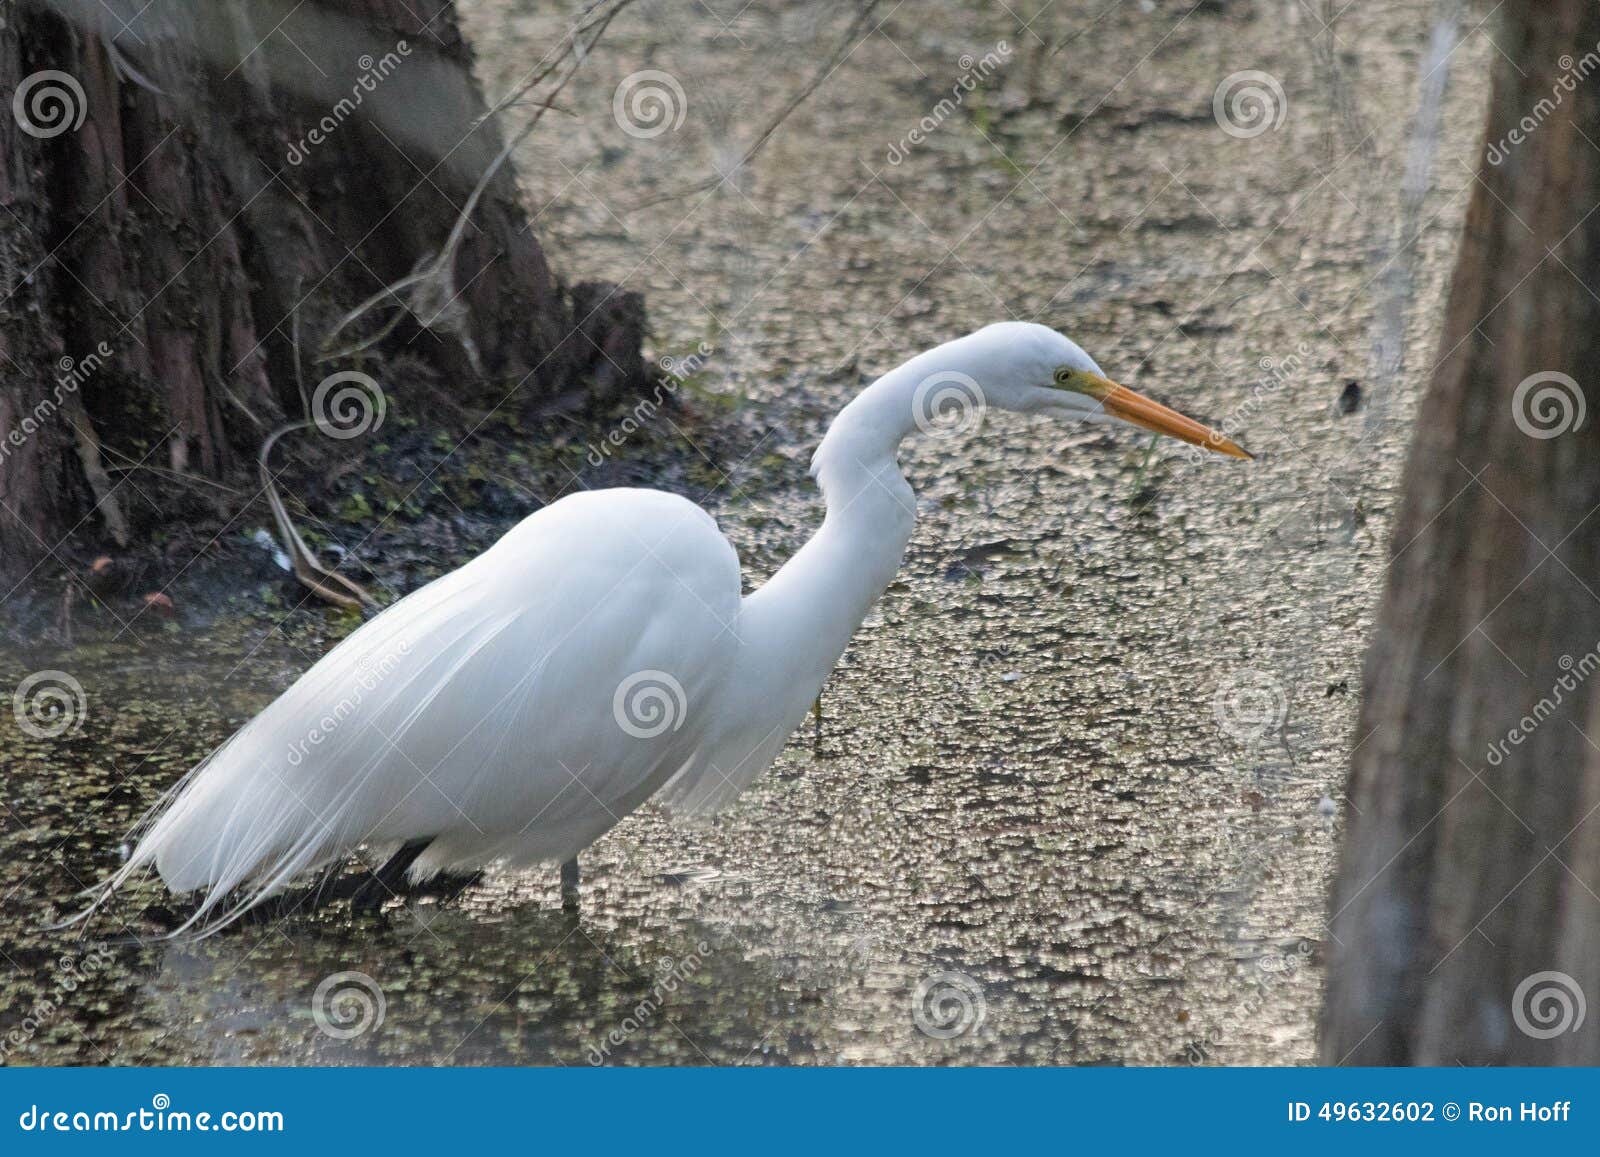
<point x="600" y="654"/>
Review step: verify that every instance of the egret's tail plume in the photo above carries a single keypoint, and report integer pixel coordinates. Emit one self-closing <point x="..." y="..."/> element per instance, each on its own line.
<point x="235" y="830"/>
<point x="318" y="773"/>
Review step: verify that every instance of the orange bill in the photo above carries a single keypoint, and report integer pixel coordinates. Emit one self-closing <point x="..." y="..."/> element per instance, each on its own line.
<point x="1121" y="402"/>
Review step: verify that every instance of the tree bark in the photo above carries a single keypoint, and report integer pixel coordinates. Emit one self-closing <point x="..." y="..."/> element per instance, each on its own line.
<point x="1465" y="921"/>
<point x="187" y="185"/>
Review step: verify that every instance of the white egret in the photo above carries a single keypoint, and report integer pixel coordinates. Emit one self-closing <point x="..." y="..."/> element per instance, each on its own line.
<point x="597" y="656"/>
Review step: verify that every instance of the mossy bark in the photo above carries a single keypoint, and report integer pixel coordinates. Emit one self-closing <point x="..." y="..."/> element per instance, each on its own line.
<point x="241" y="174"/>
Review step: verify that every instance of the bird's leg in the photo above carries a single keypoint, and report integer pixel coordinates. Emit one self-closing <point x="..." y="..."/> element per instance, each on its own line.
<point x="389" y="879"/>
<point x="569" y="885"/>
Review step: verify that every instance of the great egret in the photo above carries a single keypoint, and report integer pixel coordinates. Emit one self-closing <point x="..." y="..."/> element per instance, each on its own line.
<point x="598" y="655"/>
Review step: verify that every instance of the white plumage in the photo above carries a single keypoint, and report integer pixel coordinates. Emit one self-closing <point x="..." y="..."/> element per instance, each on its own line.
<point x="599" y="654"/>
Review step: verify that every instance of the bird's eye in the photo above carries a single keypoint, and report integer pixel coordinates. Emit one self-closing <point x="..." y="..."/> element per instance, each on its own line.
<point x="1063" y="376"/>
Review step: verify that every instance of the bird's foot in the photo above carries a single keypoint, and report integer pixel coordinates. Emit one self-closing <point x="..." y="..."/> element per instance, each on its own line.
<point x="388" y="881"/>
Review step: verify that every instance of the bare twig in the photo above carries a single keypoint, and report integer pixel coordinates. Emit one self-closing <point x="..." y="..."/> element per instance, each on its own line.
<point x="431" y="284"/>
<point x="162" y="471"/>
<point x="847" y="44"/>
<point x="125" y="70"/>
<point x="294" y="335"/>
<point x="87" y="442"/>
<point x="64" y="620"/>
<point x="325" y="584"/>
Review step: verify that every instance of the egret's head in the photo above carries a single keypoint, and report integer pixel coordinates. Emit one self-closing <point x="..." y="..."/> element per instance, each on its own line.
<point x="1032" y="369"/>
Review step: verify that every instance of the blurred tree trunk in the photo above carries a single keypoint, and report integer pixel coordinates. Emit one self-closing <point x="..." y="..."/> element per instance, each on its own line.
<point x="188" y="185"/>
<point x="1472" y="863"/>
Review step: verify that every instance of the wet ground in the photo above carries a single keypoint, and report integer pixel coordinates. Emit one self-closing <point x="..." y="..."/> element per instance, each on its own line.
<point x="1078" y="785"/>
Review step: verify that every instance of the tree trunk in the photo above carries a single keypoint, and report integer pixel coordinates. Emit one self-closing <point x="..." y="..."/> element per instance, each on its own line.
<point x="1465" y="922"/>
<point x="190" y="185"/>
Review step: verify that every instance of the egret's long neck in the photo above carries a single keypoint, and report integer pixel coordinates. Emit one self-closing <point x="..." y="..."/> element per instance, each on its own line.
<point x="802" y="619"/>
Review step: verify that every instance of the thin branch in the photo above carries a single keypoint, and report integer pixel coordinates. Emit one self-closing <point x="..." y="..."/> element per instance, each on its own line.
<point x="125" y="70"/>
<point x="87" y="442"/>
<point x="432" y="281"/>
<point x="325" y="584"/>
<point x="847" y="44"/>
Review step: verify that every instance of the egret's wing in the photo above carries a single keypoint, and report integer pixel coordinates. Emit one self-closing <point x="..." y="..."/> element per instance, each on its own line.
<point x="520" y="705"/>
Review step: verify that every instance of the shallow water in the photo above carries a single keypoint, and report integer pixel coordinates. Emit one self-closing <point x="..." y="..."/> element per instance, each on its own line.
<point x="1078" y="784"/>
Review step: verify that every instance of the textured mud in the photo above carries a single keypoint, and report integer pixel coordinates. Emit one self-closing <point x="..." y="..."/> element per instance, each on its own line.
<point x="1088" y="751"/>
